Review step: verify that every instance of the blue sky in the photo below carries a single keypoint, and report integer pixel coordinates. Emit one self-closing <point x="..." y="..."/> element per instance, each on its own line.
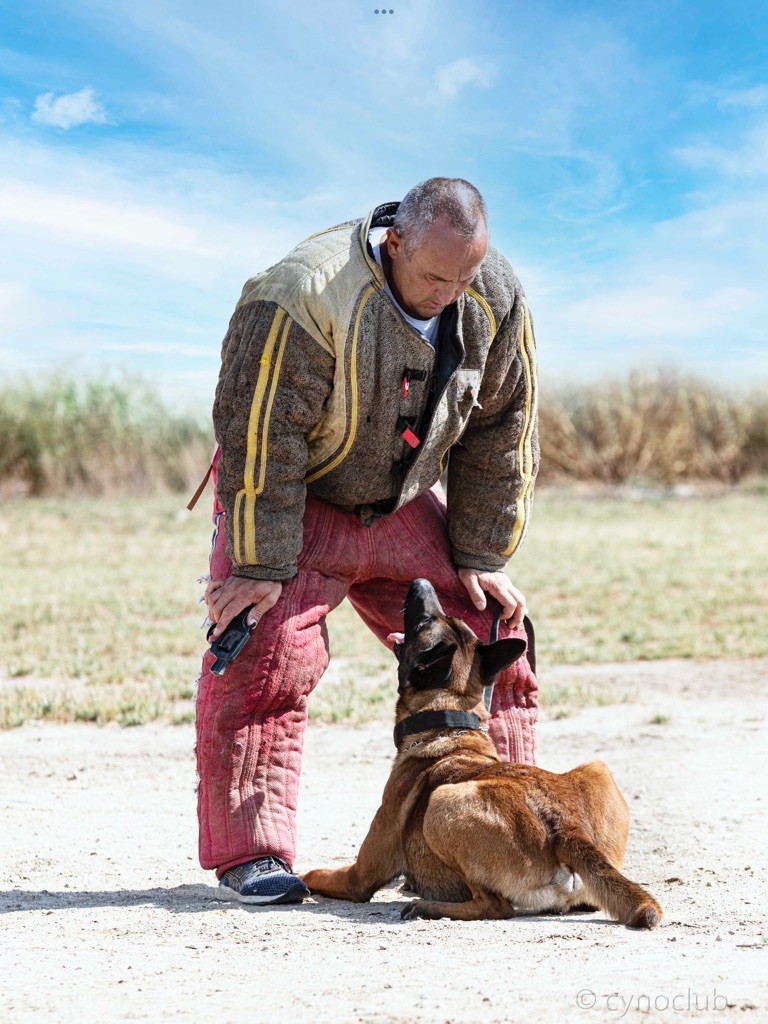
<point x="154" y="154"/>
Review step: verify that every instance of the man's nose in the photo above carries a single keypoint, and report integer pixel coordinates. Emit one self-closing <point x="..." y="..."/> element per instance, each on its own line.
<point x="448" y="293"/>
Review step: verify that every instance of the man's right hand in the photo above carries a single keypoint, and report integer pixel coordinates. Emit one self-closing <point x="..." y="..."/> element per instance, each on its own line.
<point x="227" y="598"/>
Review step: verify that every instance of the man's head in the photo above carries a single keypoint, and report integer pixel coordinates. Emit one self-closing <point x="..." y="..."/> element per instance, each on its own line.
<point x="436" y="245"/>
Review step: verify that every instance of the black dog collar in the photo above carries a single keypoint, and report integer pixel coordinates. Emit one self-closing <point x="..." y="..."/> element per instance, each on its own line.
<point x="435" y="720"/>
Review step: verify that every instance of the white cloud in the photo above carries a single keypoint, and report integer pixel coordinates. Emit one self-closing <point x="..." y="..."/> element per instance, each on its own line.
<point x="20" y="308"/>
<point x="69" y="110"/>
<point x="188" y="221"/>
<point x="452" y="78"/>
<point x="750" y="99"/>
<point x="661" y="307"/>
<point x="159" y="348"/>
<point x="687" y="291"/>
<point x="116" y="223"/>
<point x="140" y="249"/>
<point x="747" y="159"/>
<point x="104" y="264"/>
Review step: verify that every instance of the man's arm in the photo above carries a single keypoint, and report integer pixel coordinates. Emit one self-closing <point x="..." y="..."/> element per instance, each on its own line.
<point x="273" y="383"/>
<point x="493" y="467"/>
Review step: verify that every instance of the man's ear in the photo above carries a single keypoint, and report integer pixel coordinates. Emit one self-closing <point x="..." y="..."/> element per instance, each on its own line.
<point x="395" y="244"/>
<point x="496" y="657"/>
<point x="432" y="668"/>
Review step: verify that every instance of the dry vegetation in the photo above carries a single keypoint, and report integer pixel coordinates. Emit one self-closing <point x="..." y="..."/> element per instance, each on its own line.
<point x="112" y="437"/>
<point x="61" y="436"/>
<point x="661" y="427"/>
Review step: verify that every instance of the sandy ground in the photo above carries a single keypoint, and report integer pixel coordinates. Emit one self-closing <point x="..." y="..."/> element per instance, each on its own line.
<point x="107" y="916"/>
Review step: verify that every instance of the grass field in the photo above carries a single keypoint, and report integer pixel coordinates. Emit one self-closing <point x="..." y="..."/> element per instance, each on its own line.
<point x="99" y="597"/>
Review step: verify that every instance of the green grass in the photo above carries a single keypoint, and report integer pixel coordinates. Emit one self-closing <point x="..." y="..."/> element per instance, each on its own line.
<point x="617" y="580"/>
<point x="354" y="697"/>
<point x="561" y="700"/>
<point x="98" y="600"/>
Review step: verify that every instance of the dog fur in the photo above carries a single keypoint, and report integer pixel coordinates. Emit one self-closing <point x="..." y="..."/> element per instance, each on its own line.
<point x="477" y="837"/>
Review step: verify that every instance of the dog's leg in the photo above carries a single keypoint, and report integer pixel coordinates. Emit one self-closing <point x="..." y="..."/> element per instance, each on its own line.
<point x="484" y="906"/>
<point x="378" y="861"/>
<point x="625" y="900"/>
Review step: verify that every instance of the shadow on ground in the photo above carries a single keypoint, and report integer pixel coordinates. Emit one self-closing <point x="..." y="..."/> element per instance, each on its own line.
<point x="199" y="899"/>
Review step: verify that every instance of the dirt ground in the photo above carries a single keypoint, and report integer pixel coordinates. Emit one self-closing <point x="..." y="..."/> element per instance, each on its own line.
<point x="108" y="917"/>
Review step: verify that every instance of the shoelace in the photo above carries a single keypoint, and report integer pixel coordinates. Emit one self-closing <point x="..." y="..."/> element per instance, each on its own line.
<point x="266" y="865"/>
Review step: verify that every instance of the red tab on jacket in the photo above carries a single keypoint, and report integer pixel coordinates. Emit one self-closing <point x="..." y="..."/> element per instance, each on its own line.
<point x="411" y="438"/>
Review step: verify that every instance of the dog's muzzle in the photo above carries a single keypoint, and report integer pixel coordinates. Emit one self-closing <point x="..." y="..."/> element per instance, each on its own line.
<point x="421" y="603"/>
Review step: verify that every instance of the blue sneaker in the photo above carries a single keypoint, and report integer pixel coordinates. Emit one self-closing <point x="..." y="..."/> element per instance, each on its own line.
<point x="266" y="880"/>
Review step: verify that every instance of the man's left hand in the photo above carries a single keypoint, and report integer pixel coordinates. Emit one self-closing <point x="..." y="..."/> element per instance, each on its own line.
<point x="498" y="585"/>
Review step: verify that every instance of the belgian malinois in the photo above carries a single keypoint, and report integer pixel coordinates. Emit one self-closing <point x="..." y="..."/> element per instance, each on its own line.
<point x="477" y="837"/>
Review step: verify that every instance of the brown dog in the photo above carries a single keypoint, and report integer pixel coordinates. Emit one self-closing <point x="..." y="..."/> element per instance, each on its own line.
<point x="477" y="837"/>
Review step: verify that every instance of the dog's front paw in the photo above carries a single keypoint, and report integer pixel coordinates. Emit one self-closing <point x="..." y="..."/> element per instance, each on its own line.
<point x="420" y="909"/>
<point x="337" y="883"/>
<point x="317" y="880"/>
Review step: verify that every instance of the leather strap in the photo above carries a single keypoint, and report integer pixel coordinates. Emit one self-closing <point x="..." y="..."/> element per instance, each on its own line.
<point x="488" y="690"/>
<point x="426" y="720"/>
<point x="531" y="650"/>
<point x="196" y="496"/>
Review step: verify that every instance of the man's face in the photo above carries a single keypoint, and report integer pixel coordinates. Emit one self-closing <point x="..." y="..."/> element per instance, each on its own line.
<point x="437" y="271"/>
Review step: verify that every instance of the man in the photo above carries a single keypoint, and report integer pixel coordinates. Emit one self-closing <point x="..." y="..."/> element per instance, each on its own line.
<point x="354" y="370"/>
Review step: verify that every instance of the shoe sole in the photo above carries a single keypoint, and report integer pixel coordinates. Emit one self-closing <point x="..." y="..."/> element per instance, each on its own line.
<point x="294" y="895"/>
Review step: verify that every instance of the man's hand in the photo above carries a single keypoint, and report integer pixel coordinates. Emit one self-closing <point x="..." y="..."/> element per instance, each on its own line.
<point x="227" y="598"/>
<point x="496" y="584"/>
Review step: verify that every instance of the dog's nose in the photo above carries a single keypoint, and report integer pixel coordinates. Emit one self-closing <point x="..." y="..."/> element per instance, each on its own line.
<point x="422" y="587"/>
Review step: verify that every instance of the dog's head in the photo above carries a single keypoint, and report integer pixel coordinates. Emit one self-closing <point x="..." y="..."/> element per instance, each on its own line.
<point x="438" y="653"/>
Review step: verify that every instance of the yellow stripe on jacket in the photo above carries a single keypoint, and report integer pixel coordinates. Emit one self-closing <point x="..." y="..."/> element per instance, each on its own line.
<point x="245" y="534"/>
<point x="525" y="445"/>
<point x="486" y="309"/>
<point x="353" y="394"/>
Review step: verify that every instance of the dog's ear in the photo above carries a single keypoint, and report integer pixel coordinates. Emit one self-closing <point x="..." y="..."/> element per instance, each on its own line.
<point x="432" y="668"/>
<point x="496" y="657"/>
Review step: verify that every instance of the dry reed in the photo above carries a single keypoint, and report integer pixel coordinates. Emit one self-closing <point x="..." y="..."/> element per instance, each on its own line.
<point x="59" y="436"/>
<point x="659" y="427"/>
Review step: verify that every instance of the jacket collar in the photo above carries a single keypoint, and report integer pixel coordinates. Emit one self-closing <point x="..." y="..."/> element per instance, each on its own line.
<point x="382" y="216"/>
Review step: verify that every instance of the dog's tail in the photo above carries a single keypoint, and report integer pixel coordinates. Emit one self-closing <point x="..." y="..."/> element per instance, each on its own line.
<point x="624" y="900"/>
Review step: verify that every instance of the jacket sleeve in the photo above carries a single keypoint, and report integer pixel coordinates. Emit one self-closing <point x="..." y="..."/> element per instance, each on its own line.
<point x="492" y="468"/>
<point x="274" y="380"/>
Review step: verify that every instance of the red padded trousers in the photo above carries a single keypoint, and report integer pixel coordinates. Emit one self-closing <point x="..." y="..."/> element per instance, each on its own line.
<point x="251" y="720"/>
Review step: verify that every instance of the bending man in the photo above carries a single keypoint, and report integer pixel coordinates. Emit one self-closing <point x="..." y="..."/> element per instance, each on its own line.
<point x="355" y="371"/>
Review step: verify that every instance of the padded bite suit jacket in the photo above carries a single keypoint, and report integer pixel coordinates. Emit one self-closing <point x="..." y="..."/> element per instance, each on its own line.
<point x="323" y="383"/>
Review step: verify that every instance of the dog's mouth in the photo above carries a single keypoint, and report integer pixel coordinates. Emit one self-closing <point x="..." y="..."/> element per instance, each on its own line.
<point x="396" y="640"/>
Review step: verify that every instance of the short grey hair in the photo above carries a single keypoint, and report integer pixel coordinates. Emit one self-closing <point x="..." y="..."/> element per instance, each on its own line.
<point x="453" y="200"/>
